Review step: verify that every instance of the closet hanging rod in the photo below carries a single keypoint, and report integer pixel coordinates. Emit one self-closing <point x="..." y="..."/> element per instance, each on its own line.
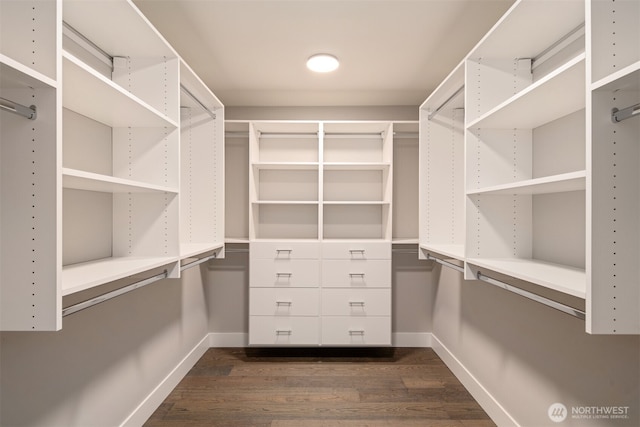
<point x="534" y="297"/>
<point x="445" y="103"/>
<point x="445" y="263"/>
<point x="110" y="295"/>
<point x="78" y="38"/>
<point x="19" y="109"/>
<point x="619" y="115"/>
<point x="556" y="47"/>
<point x="401" y="135"/>
<point x="198" y="262"/>
<point x="288" y="134"/>
<point x="354" y="135"/>
<point x="197" y="101"/>
<point x="236" y="251"/>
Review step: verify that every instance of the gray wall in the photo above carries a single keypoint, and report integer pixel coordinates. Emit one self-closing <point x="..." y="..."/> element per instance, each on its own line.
<point x="105" y="360"/>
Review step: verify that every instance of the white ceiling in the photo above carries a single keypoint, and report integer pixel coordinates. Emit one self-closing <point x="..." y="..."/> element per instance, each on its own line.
<point x="392" y="52"/>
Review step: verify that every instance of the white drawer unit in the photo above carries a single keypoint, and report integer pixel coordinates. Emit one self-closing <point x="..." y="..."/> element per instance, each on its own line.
<point x="356" y="302"/>
<point x="356" y="331"/>
<point x="284" y="250"/>
<point x="284" y="272"/>
<point x="338" y="273"/>
<point x="284" y="331"/>
<point x="284" y="302"/>
<point x="356" y="250"/>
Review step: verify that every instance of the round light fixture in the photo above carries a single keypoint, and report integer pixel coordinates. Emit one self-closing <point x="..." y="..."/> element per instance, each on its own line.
<point x="322" y="63"/>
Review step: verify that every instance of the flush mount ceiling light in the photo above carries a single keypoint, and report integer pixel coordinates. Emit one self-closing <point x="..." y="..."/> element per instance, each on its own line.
<point x="322" y="63"/>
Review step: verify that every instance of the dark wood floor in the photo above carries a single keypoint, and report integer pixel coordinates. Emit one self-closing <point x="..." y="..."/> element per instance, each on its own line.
<point x="320" y="387"/>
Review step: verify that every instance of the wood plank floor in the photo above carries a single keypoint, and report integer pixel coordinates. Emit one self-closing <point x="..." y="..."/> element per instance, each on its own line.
<point x="402" y="387"/>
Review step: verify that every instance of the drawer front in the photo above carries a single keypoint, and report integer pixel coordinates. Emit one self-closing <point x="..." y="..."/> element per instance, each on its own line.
<point x="356" y="273"/>
<point x="283" y="302"/>
<point x="282" y="331"/>
<point x="284" y="273"/>
<point x="356" y="302"/>
<point x="356" y="250"/>
<point x="356" y="331"/>
<point x="284" y="250"/>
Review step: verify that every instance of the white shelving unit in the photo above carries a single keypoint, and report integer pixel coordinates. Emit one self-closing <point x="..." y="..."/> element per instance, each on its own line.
<point x="30" y="227"/>
<point x="320" y="197"/>
<point x="547" y="179"/>
<point x="202" y="171"/>
<point x="613" y="208"/>
<point x="93" y="189"/>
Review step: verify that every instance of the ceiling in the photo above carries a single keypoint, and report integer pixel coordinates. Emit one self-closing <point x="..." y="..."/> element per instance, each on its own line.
<point x="392" y="52"/>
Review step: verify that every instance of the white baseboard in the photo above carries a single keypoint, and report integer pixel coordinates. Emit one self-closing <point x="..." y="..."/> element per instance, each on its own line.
<point x="236" y="339"/>
<point x="411" y="339"/>
<point x="492" y="407"/>
<point x="148" y="406"/>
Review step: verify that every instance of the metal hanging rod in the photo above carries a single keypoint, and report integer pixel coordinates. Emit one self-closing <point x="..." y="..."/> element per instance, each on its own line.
<point x="619" y="115"/>
<point x="19" y="109"/>
<point x="238" y="134"/>
<point x="197" y="101"/>
<point x="354" y="135"/>
<point x="198" y="262"/>
<point x="288" y="134"/>
<point x="534" y="297"/>
<point x="95" y="50"/>
<point x="565" y="41"/>
<point x="401" y="135"/>
<point x="110" y="295"/>
<point x="445" y="103"/>
<point x="445" y="263"/>
<point x="236" y="251"/>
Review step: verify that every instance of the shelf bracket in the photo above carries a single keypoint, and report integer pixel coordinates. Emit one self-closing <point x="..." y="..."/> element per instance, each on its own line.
<point x="619" y="115"/>
<point x="110" y="295"/>
<point x="19" y="109"/>
<point x="533" y="297"/>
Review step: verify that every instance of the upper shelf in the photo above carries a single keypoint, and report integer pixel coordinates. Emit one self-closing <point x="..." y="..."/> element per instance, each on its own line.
<point x="558" y="94"/>
<point x="109" y="103"/>
<point x="529" y="27"/>
<point x="140" y="39"/>
<point x="81" y="180"/>
<point x="14" y="75"/>
<point x="356" y="166"/>
<point x="286" y="165"/>
<point x="572" y="181"/>
<point x="627" y="79"/>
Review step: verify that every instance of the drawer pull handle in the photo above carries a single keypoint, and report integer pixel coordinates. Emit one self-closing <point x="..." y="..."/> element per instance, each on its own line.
<point x="283" y="331"/>
<point x="352" y="275"/>
<point x="283" y="275"/>
<point x="356" y="251"/>
<point x="286" y="251"/>
<point x="286" y="303"/>
<point x="356" y="303"/>
<point x="356" y="332"/>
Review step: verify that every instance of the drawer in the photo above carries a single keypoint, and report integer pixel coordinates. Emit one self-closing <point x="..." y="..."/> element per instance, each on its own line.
<point x="284" y="250"/>
<point x="356" y="273"/>
<point x="271" y="330"/>
<point x="293" y="273"/>
<point x="356" y="250"/>
<point x="356" y="302"/>
<point x="358" y="331"/>
<point x="283" y="302"/>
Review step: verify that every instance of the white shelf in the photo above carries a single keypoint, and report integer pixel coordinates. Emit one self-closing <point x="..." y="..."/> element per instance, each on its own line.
<point x="286" y="166"/>
<point x="14" y="75"/>
<point x="188" y="250"/>
<point x="559" y="93"/>
<point x="81" y="180"/>
<point x="568" y="280"/>
<point x="530" y="27"/>
<point x="355" y="202"/>
<point x="350" y="166"/>
<point x="86" y="275"/>
<point x="571" y="181"/>
<point x="117" y="27"/>
<point x="285" y="202"/>
<point x="628" y="79"/>
<point x="109" y="103"/>
<point x="453" y="251"/>
<point x="404" y="241"/>
<point x="236" y="240"/>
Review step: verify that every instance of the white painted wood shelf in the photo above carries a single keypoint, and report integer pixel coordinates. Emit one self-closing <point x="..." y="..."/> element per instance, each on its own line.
<point x="572" y="181"/>
<point x="14" y="75"/>
<point x="82" y="180"/>
<point x="453" y="251"/>
<point x="189" y="250"/>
